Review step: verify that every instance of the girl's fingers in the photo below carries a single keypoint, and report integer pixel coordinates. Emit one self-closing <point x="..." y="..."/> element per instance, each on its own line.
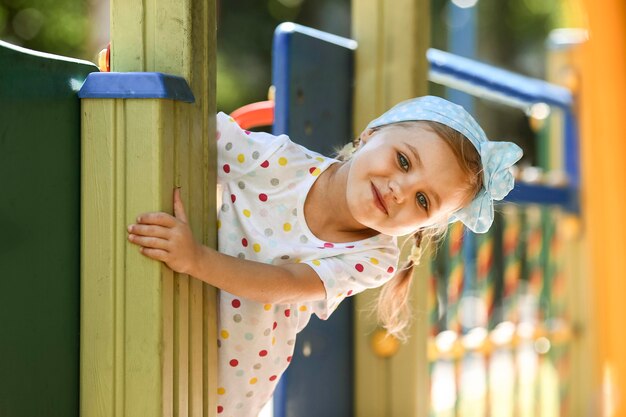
<point x="160" y="219"/>
<point x="179" y="208"/>
<point x="149" y="230"/>
<point x="148" y="242"/>
<point x="158" y="254"/>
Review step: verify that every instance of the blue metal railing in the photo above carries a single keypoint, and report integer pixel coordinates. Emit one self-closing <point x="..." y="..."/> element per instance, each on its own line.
<point x="506" y="87"/>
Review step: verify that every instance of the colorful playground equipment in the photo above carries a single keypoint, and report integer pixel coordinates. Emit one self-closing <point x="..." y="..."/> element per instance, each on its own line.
<point x="505" y="323"/>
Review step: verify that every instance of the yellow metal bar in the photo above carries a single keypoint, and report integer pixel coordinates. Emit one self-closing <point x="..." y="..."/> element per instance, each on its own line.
<point x="602" y="101"/>
<point x="147" y="334"/>
<point x="390" y="67"/>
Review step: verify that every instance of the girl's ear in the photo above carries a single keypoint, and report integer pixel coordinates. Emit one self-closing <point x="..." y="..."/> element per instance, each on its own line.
<point x="366" y="135"/>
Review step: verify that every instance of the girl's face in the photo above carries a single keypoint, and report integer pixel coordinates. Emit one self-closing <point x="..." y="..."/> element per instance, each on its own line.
<point x="404" y="178"/>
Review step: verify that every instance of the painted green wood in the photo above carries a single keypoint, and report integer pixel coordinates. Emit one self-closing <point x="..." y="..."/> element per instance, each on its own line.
<point x="148" y="334"/>
<point x="39" y="249"/>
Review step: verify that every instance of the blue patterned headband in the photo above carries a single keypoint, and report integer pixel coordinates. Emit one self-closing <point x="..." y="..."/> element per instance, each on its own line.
<point x="496" y="157"/>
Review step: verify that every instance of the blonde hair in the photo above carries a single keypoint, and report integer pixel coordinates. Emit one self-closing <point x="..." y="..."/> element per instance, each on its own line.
<point x="392" y="306"/>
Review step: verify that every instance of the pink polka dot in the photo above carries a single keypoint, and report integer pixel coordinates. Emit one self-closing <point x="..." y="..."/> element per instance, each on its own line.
<point x="287" y="313"/>
<point x="273" y="378"/>
<point x="233" y="197"/>
<point x="263" y="197"/>
<point x="234" y="362"/>
<point x="220" y="409"/>
<point x="274" y="326"/>
<point x="263" y="353"/>
<point x="226" y="168"/>
<point x="349" y="246"/>
<point x="218" y="135"/>
<point x="244" y="242"/>
<point x="358" y="267"/>
<point x="349" y="293"/>
<point x="265" y="164"/>
<point x="328" y="245"/>
<point x="390" y="269"/>
<point x="236" y="303"/>
<point x="247" y="132"/>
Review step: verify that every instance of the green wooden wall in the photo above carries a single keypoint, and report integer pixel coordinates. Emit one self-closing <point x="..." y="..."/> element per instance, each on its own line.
<point x="40" y="232"/>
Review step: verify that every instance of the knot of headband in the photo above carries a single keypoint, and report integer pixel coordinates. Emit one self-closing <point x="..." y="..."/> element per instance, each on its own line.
<point x="496" y="157"/>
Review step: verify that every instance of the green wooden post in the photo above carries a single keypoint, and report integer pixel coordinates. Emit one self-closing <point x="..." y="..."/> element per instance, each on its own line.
<point x="390" y="67"/>
<point x="148" y="335"/>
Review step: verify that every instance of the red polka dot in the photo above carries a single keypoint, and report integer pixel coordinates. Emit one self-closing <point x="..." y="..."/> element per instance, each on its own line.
<point x="328" y="245"/>
<point x="390" y="269"/>
<point x="275" y="326"/>
<point x="263" y="353"/>
<point x="273" y="378"/>
<point x="263" y="197"/>
<point x="287" y="313"/>
<point x="233" y="197"/>
<point x="247" y="132"/>
<point x="234" y="362"/>
<point x="349" y="246"/>
<point x="236" y="303"/>
<point x="265" y="164"/>
<point x="358" y="267"/>
<point x="349" y="293"/>
<point x="220" y="409"/>
<point x="226" y="168"/>
<point x="312" y="169"/>
<point x="244" y="242"/>
<point x="288" y="358"/>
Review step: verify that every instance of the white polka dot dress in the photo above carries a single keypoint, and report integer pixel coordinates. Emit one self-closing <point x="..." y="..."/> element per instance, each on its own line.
<point x="265" y="180"/>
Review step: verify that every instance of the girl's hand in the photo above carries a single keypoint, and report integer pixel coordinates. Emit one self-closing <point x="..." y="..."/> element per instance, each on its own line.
<point x="167" y="238"/>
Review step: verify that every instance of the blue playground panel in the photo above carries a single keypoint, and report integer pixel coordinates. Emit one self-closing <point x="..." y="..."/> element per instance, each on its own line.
<point x="312" y="73"/>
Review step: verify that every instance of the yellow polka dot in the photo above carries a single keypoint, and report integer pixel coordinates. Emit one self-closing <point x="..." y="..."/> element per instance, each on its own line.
<point x="340" y="295"/>
<point x="273" y="340"/>
<point x="287" y="227"/>
<point x="303" y="308"/>
<point x="246" y="213"/>
<point x="256" y="247"/>
<point x="282" y="161"/>
<point x="224" y="334"/>
<point x="319" y="158"/>
<point x="253" y="381"/>
<point x="231" y="119"/>
<point x="241" y="158"/>
<point x="267" y="307"/>
<point x="221" y="391"/>
<point x="374" y="261"/>
<point x="316" y="262"/>
<point x="315" y="172"/>
<point x="297" y="260"/>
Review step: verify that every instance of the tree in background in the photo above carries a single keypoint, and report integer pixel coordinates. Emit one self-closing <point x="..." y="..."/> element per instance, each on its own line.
<point x="55" y="26"/>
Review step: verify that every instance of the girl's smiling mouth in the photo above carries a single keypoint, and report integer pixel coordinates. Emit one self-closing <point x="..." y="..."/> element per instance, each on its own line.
<point x="378" y="200"/>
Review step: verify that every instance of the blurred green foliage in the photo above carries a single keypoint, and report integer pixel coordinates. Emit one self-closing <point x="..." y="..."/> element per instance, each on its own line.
<point x="511" y="34"/>
<point x="55" y="26"/>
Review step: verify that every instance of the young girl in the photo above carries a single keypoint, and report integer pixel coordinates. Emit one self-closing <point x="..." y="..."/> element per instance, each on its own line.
<point x="299" y="232"/>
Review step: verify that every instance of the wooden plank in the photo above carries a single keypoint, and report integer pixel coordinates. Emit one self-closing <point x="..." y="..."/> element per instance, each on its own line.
<point x="390" y="67"/>
<point x="97" y="261"/>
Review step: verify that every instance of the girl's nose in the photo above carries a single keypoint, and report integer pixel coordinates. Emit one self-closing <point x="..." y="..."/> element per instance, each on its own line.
<point x="396" y="192"/>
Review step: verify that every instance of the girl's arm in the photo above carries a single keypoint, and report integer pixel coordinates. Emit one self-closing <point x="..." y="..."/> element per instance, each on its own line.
<point x="169" y="239"/>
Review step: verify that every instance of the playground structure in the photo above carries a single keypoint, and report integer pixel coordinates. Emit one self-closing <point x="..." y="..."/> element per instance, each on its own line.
<point x="146" y="341"/>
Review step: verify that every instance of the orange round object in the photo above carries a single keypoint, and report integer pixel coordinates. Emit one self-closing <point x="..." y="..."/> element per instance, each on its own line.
<point x="383" y="344"/>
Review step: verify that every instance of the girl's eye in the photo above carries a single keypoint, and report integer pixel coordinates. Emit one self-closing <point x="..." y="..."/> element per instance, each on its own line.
<point x="422" y="200"/>
<point x="403" y="161"/>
